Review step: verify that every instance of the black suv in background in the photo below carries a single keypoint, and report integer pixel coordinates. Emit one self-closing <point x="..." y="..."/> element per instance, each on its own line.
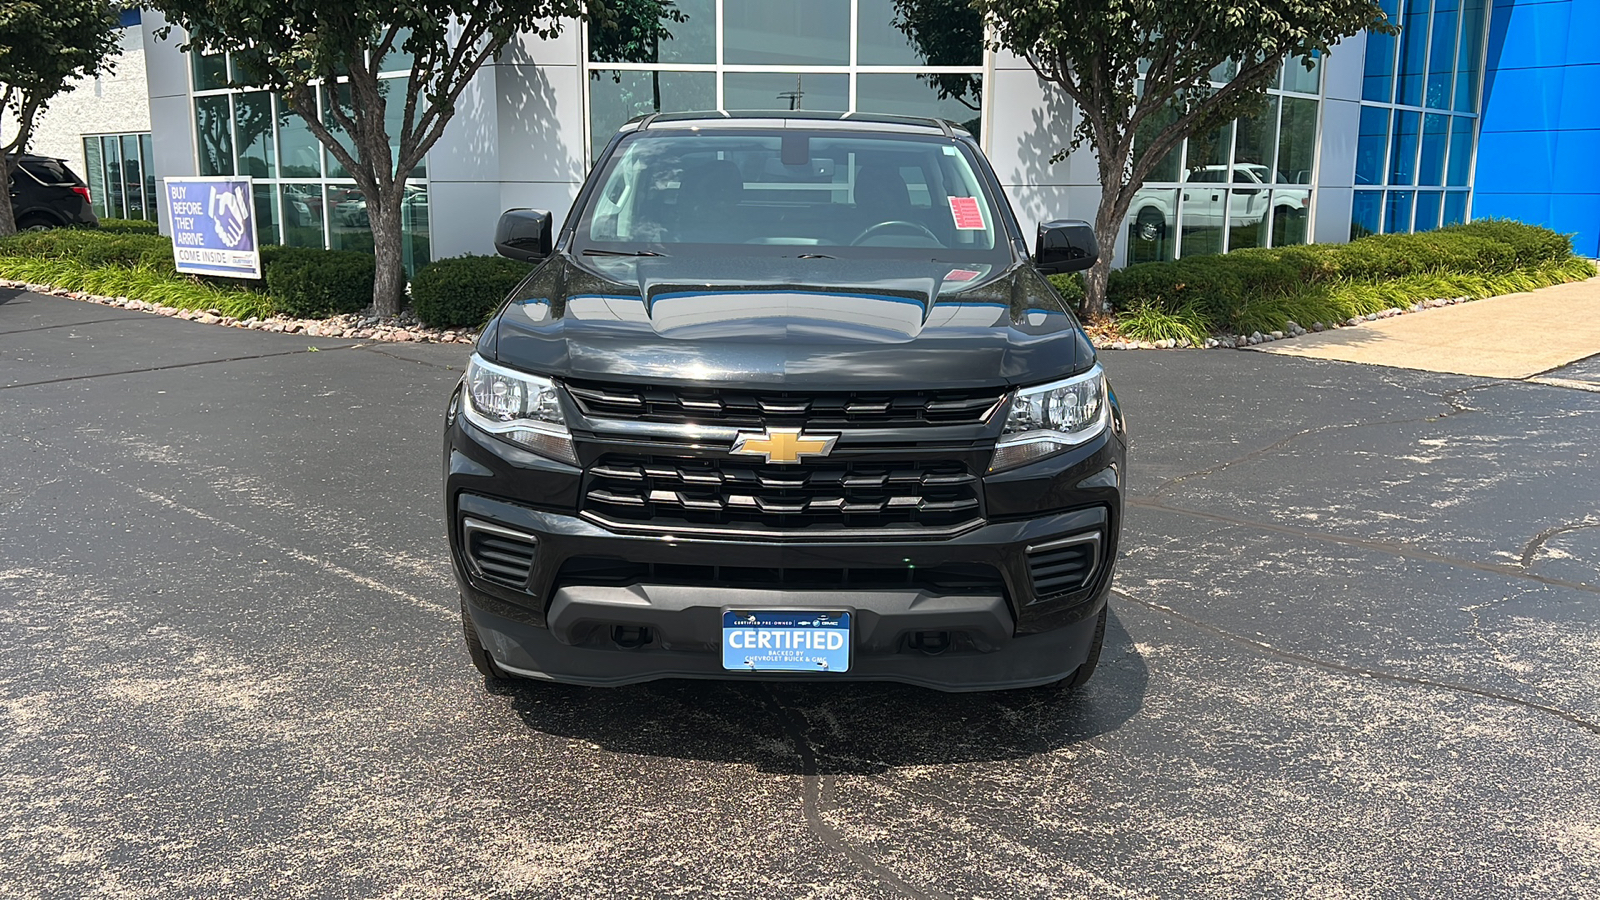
<point x="788" y="397"/>
<point x="47" y="194"/>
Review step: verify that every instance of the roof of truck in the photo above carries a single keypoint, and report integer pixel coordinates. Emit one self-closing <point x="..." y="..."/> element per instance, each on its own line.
<point x="854" y="121"/>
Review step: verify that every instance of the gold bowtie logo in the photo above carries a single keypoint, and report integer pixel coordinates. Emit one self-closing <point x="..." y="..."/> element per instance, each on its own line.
<point x="782" y="445"/>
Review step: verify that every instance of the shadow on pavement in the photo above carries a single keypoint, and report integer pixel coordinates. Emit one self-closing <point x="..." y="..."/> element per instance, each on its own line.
<point x="808" y="728"/>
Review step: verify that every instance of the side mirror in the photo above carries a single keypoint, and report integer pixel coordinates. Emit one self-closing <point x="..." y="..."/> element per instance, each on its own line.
<point x="523" y="234"/>
<point x="1065" y="245"/>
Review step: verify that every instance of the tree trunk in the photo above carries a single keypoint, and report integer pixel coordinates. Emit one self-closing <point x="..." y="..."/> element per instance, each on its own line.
<point x="8" y="219"/>
<point x="1107" y="220"/>
<point x="388" y="249"/>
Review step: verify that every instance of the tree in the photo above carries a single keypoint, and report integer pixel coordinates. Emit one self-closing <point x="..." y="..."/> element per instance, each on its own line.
<point x="945" y="33"/>
<point x="44" y="48"/>
<point x="631" y="31"/>
<point x="337" y="48"/>
<point x="1140" y="74"/>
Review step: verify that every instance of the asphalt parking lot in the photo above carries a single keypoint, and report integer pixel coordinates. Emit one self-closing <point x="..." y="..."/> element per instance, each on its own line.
<point x="1354" y="652"/>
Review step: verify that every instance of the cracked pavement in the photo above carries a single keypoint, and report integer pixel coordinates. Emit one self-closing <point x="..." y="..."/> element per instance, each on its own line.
<point x="1354" y="652"/>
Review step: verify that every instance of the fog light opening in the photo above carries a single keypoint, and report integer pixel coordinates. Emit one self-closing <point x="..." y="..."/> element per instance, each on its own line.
<point x="630" y="637"/>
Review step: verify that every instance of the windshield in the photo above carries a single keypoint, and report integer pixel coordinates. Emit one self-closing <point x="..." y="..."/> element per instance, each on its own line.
<point x="792" y="193"/>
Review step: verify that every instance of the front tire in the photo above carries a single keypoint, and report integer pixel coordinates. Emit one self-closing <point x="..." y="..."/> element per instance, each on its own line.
<point x="481" y="660"/>
<point x="1081" y="675"/>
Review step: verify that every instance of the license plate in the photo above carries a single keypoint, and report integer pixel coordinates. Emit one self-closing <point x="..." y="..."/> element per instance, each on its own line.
<point x="769" y="640"/>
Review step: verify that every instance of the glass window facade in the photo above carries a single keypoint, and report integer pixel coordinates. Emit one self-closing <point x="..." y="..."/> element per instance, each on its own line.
<point x="1247" y="184"/>
<point x="120" y="176"/>
<point x="303" y="196"/>
<point x="831" y="55"/>
<point x="1419" y="117"/>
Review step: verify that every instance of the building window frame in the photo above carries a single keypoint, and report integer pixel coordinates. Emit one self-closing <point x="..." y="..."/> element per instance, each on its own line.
<point x="720" y="68"/>
<point x="1278" y="92"/>
<point x="1393" y="110"/>
<point x="97" y="163"/>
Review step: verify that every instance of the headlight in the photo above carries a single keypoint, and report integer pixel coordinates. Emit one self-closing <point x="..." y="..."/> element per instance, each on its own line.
<point x="1051" y="418"/>
<point x="517" y="407"/>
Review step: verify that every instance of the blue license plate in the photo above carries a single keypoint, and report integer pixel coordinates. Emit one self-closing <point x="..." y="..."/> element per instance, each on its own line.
<point x="767" y="640"/>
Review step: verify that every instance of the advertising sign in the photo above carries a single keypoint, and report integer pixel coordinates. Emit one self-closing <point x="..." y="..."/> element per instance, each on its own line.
<point x="214" y="226"/>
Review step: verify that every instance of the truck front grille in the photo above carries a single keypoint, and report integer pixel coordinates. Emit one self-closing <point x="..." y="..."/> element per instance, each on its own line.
<point x="665" y="492"/>
<point x="814" y="410"/>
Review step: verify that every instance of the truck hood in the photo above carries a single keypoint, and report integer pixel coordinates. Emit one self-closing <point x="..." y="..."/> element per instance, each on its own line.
<point x="787" y="322"/>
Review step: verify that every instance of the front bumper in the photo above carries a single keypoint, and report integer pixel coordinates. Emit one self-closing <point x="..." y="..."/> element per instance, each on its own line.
<point x="661" y="616"/>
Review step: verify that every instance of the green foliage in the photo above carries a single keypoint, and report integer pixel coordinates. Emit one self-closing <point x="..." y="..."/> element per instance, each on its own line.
<point x="1530" y="244"/>
<point x="464" y="291"/>
<point x="129" y="226"/>
<point x="309" y="283"/>
<point x="1070" y="286"/>
<point x="300" y="281"/>
<point x="631" y="31"/>
<point x="1147" y="322"/>
<point x="945" y="33"/>
<point x="141" y="282"/>
<point x="1263" y="290"/>
<point x="92" y="248"/>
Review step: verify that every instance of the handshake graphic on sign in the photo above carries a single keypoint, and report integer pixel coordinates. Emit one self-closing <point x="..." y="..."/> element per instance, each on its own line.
<point x="230" y="214"/>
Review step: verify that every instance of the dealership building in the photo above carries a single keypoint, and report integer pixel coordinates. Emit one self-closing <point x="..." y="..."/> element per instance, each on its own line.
<point x="1475" y="109"/>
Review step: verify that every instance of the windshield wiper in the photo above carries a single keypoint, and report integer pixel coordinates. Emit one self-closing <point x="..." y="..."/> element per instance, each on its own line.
<point x="594" y="252"/>
<point x="813" y="256"/>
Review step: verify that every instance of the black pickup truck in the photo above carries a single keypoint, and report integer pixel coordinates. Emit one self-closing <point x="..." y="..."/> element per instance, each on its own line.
<point x="787" y="397"/>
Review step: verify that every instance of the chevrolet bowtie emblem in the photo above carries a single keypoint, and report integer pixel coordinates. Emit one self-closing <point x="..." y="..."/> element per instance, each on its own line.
<point x="782" y="445"/>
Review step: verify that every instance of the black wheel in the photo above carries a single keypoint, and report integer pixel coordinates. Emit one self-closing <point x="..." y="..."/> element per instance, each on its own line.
<point x="1286" y="228"/>
<point x="1081" y="675"/>
<point x="481" y="660"/>
<point x="1150" y="225"/>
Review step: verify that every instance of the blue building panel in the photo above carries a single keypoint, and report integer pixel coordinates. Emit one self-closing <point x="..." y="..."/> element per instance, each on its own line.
<point x="1515" y="161"/>
<point x="1529" y="35"/>
<point x="1580" y="96"/>
<point x="1522" y="99"/>
<point x="1583" y="34"/>
<point x="1579" y="216"/>
<point x="1539" y="138"/>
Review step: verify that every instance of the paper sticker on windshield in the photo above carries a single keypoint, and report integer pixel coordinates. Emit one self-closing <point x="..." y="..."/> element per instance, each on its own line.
<point x="962" y="275"/>
<point x="966" y="213"/>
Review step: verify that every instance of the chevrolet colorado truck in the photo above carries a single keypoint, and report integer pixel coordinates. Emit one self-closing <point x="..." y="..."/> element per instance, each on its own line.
<point x="787" y="396"/>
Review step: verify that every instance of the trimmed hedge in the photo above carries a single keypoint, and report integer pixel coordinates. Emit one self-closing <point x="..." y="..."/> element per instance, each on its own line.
<point x="313" y="284"/>
<point x="91" y="247"/>
<point x="300" y="281"/>
<point x="129" y="226"/>
<point x="462" y="292"/>
<point x="1229" y="290"/>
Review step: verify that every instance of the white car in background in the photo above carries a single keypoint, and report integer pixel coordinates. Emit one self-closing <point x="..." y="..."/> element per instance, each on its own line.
<point x="1204" y="199"/>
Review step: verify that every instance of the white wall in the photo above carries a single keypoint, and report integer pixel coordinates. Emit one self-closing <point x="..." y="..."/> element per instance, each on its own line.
<point x="171" y="117"/>
<point x="516" y="141"/>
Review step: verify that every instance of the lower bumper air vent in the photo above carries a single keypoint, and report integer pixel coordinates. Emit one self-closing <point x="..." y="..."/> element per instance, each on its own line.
<point x="499" y="554"/>
<point x="1061" y="567"/>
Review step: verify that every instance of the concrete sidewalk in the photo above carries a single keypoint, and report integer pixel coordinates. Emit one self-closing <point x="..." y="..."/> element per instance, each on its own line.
<point x="1514" y="336"/>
